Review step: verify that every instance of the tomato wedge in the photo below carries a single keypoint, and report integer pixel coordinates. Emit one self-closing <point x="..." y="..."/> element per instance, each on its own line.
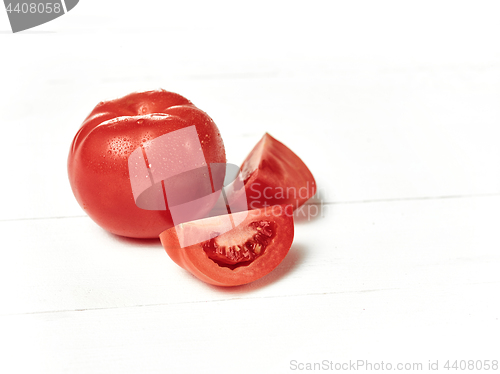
<point x="238" y="256"/>
<point x="274" y="175"/>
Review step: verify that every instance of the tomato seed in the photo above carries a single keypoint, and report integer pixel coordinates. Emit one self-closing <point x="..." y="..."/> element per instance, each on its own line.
<point x="233" y="256"/>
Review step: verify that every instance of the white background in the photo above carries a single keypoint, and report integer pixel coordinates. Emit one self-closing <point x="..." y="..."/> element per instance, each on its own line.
<point x="394" y="106"/>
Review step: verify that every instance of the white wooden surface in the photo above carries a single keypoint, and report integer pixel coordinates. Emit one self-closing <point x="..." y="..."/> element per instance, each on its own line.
<point x="395" y="106"/>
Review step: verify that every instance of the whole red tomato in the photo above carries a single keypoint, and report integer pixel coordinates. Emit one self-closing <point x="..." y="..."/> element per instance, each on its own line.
<point x="98" y="162"/>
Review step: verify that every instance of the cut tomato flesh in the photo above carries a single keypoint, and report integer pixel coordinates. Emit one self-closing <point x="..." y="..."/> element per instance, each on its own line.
<point x="274" y="175"/>
<point x="239" y="256"/>
<point x="242" y="245"/>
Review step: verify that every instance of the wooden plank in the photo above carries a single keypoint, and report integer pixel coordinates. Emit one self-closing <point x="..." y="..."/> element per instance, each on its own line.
<point x="72" y="264"/>
<point x="364" y="135"/>
<point x="269" y="334"/>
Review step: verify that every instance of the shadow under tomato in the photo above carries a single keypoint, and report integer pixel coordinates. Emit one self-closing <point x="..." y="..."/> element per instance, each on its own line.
<point x="144" y="243"/>
<point x="308" y="213"/>
<point x="292" y="260"/>
<point x="315" y="208"/>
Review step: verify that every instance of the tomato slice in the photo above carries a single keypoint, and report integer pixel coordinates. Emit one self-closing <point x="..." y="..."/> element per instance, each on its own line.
<point x="274" y="175"/>
<point x="241" y="255"/>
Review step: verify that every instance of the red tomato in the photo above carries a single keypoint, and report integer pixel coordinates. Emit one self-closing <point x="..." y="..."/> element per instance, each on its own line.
<point x="98" y="160"/>
<point x="239" y="256"/>
<point x="274" y="175"/>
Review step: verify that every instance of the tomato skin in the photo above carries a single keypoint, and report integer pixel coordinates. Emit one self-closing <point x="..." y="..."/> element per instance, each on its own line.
<point x="194" y="259"/>
<point x="98" y="159"/>
<point x="274" y="175"/>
